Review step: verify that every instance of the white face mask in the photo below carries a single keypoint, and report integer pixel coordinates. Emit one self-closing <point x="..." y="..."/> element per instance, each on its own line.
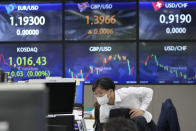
<point x="103" y="100"/>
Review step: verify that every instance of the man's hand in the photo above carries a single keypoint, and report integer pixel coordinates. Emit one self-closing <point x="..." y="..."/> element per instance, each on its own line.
<point x="135" y="112"/>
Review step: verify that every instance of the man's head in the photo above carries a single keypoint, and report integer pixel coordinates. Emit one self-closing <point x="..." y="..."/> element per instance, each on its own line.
<point x="120" y="124"/>
<point x="103" y="89"/>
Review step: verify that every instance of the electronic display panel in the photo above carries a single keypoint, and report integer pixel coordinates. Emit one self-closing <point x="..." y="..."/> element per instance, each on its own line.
<point x="100" y="20"/>
<point x="167" y="62"/>
<point x="90" y="61"/>
<point x="30" y="21"/>
<point x="79" y="92"/>
<point x="167" y="20"/>
<point x="31" y="61"/>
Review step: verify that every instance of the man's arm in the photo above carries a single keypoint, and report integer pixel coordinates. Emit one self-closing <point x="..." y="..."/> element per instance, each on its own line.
<point x="146" y="95"/>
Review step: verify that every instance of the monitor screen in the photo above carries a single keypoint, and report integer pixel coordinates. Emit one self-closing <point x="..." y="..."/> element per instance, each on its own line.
<point x="170" y="20"/>
<point x="61" y="97"/>
<point x="31" y="61"/>
<point x="79" y="92"/>
<point x="93" y="60"/>
<point x="167" y="62"/>
<point x="30" y="21"/>
<point x="105" y="20"/>
<point x="23" y="107"/>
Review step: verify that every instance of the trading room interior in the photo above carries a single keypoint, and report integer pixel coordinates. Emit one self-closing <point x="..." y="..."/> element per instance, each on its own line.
<point x="79" y="65"/>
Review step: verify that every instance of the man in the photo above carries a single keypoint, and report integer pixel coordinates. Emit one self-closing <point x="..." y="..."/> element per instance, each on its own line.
<point x="137" y="99"/>
<point x="120" y="124"/>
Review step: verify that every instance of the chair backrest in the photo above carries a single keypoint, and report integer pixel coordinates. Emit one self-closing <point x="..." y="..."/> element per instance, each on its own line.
<point x="168" y="118"/>
<point x="120" y="112"/>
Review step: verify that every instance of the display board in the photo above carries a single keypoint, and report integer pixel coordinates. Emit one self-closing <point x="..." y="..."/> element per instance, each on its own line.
<point x="130" y="41"/>
<point x="168" y="20"/>
<point x="31" y="61"/>
<point x="90" y="61"/>
<point x="105" y="20"/>
<point x="167" y="62"/>
<point x="30" y="21"/>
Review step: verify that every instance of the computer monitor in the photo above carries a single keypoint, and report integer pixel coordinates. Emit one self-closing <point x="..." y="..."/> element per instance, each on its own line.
<point x="78" y="105"/>
<point x="23" y="107"/>
<point x="61" y="97"/>
<point x="79" y="98"/>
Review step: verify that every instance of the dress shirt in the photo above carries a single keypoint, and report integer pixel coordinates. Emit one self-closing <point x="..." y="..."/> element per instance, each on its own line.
<point x="131" y="97"/>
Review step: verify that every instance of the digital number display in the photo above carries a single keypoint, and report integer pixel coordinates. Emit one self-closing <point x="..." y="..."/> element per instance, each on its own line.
<point x="168" y="20"/>
<point x="31" y="61"/>
<point x="93" y="60"/>
<point x="30" y="21"/>
<point x="109" y="20"/>
<point x="101" y="20"/>
<point x="167" y="62"/>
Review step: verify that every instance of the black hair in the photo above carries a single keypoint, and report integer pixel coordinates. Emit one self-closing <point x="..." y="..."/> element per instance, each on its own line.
<point x="96" y="113"/>
<point x="104" y="83"/>
<point x="120" y="124"/>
